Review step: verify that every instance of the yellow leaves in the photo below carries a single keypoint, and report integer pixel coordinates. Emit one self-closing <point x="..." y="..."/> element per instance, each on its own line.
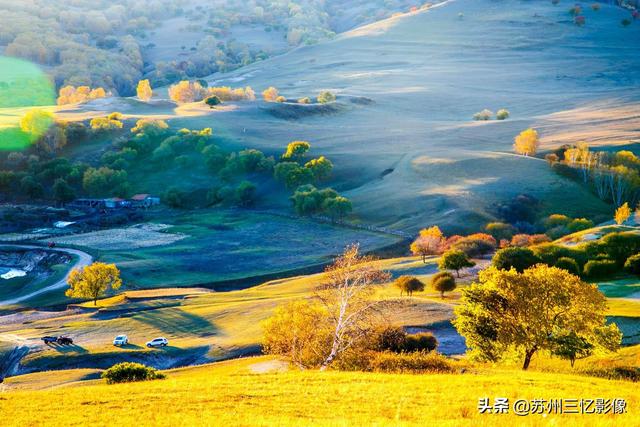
<point x="526" y="143"/>
<point x="73" y="95"/>
<point x="93" y="281"/>
<point x="622" y="214"/>
<point x="526" y="311"/>
<point x="432" y="232"/>
<point x="36" y="122"/>
<point x="144" y="91"/>
<point x="429" y="242"/>
<point x="186" y="91"/>
<point x="270" y="94"/>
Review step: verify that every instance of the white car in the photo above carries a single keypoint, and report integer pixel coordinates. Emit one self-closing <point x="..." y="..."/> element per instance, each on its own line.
<point x="158" y="342"/>
<point x="121" y="340"/>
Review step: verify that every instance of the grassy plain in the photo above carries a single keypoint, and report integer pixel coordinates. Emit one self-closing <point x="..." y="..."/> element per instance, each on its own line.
<point x="233" y="393"/>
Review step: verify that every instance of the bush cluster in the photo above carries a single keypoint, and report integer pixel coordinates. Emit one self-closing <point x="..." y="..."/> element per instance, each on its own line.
<point x="127" y="372"/>
<point x="415" y="363"/>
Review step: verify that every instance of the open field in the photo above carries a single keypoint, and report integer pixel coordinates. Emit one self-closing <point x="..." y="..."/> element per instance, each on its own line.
<point x="218" y="246"/>
<point x="231" y="392"/>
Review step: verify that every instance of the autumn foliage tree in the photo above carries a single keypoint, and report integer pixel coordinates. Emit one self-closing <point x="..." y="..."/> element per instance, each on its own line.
<point x="346" y="295"/>
<point x="296" y="150"/>
<point x="443" y="282"/>
<point x="408" y="285"/>
<point x="93" y="281"/>
<point x="622" y="214"/>
<point x="144" y="91"/>
<point x="430" y="242"/>
<point x="73" y="95"/>
<point x="533" y="311"/>
<point x="186" y="91"/>
<point x="36" y="122"/>
<point x="271" y="94"/>
<point x="527" y="142"/>
<point x="300" y="332"/>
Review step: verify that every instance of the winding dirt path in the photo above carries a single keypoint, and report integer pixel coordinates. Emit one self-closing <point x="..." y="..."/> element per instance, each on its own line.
<point x="83" y="259"/>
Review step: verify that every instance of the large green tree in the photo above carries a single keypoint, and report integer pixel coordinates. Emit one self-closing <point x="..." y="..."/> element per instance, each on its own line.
<point x="507" y="311"/>
<point x="454" y="259"/>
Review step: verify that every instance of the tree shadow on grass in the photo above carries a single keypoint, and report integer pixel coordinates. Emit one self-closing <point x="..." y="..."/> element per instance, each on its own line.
<point x="73" y="348"/>
<point x="130" y="346"/>
<point x="176" y="321"/>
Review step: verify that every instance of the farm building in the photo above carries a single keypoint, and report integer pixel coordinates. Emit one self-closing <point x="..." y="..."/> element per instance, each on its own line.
<point x="144" y="201"/>
<point x="139" y="201"/>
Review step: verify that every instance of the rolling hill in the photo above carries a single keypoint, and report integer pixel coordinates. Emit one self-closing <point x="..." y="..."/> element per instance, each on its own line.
<point x="412" y="155"/>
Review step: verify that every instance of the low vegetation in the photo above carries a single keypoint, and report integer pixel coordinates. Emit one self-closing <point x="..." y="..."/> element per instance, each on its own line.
<point x="128" y="372"/>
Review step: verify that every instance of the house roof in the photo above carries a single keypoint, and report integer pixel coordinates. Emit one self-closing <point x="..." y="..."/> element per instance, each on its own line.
<point x="139" y="196"/>
<point x="115" y="199"/>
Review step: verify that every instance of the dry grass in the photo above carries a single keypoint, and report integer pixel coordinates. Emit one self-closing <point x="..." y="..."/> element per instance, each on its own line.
<point x="228" y="393"/>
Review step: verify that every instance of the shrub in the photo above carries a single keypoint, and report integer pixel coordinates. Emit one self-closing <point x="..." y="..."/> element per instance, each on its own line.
<point x="550" y="254"/>
<point x="423" y="341"/>
<point x="326" y="97"/>
<point x="391" y="338"/>
<point x="502" y="114"/>
<point x="281" y="99"/>
<point x="556" y="220"/>
<point x="568" y="264"/>
<point x="617" y="246"/>
<point x="600" y="268"/>
<point x="626" y="22"/>
<point x="127" y="372"/>
<point x="580" y="224"/>
<point x="474" y="244"/>
<point x="632" y="264"/>
<point x="483" y="115"/>
<point x="500" y="230"/>
<point x="515" y="257"/>
<point x="417" y="362"/>
<point x="305" y="100"/>
<point x="174" y="198"/>
<point x="625" y="373"/>
<point x="212" y="101"/>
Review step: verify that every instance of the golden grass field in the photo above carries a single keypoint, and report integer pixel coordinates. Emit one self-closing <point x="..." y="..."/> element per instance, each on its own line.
<point x="230" y="393"/>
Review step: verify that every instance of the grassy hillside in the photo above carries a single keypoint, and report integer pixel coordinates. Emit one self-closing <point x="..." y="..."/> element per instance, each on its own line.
<point x="236" y="393"/>
<point x="201" y="325"/>
<point x="427" y="74"/>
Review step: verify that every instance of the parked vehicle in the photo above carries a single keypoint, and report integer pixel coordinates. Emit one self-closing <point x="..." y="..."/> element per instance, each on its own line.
<point x="64" y="341"/>
<point x="158" y="342"/>
<point x="121" y="340"/>
<point x="49" y="339"/>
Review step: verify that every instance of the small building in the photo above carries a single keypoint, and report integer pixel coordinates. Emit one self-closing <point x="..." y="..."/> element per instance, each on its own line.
<point x="87" y="204"/>
<point x="144" y="201"/>
<point x="114" y="203"/>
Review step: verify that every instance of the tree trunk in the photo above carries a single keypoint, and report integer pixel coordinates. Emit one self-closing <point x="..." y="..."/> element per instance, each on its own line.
<point x="442" y="295"/>
<point x="332" y="355"/>
<point x="458" y="273"/>
<point x="527" y="359"/>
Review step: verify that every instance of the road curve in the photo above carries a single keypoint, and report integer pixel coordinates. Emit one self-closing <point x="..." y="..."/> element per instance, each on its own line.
<point x="83" y="259"/>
